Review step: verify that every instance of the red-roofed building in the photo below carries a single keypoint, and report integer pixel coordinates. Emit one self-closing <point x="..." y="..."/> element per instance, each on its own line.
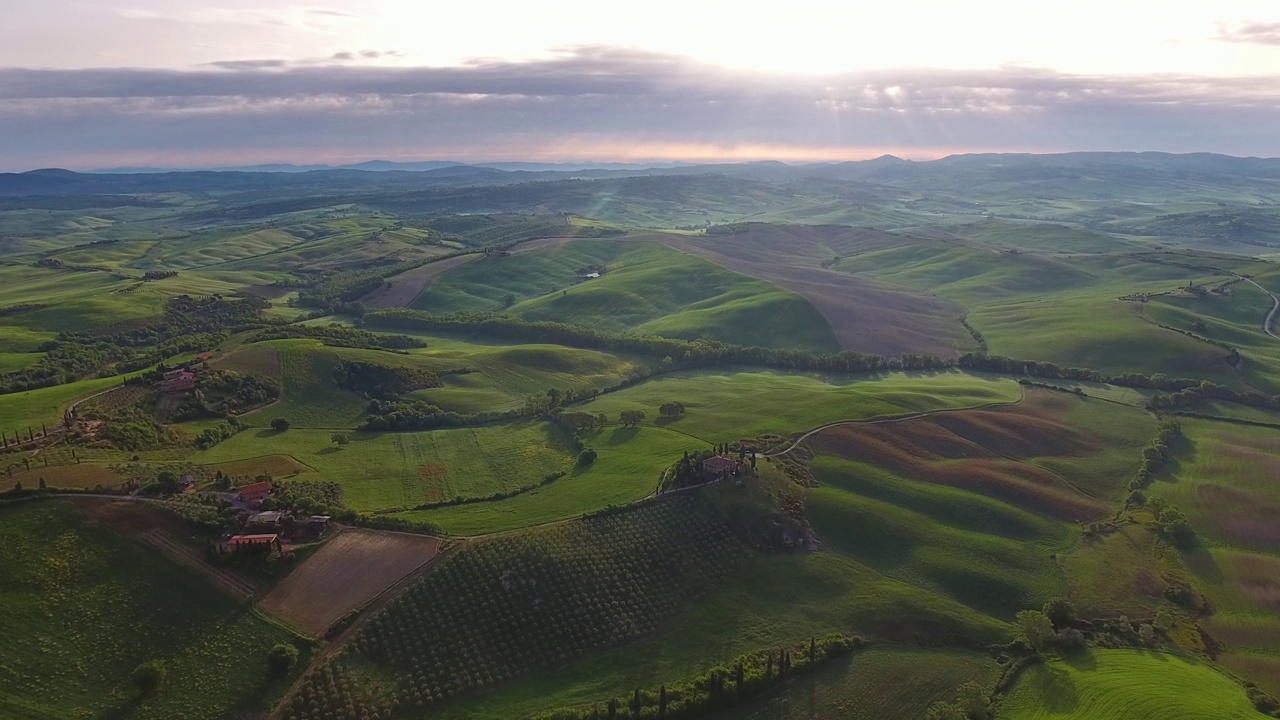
<point x="255" y="492"/>
<point x="263" y="543"/>
<point x="181" y="382"/>
<point x="719" y="465"/>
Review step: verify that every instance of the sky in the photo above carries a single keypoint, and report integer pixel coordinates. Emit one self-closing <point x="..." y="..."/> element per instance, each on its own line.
<point x="174" y="83"/>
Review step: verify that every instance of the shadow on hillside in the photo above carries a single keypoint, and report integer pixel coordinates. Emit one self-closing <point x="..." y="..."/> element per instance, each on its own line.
<point x="1083" y="661"/>
<point x="623" y="435"/>
<point x="328" y="451"/>
<point x="1057" y="691"/>
<point x="1201" y="563"/>
<point x="1184" y="451"/>
<point x="121" y="711"/>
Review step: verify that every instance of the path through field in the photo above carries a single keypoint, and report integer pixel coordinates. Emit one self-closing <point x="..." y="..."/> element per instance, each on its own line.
<point x="233" y="584"/>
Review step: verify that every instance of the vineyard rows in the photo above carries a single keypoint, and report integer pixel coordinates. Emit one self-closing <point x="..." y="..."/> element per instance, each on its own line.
<point x="514" y="604"/>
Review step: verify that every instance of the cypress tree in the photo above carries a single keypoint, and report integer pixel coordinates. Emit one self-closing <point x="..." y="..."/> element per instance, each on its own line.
<point x="662" y="700"/>
<point x="635" y="704"/>
<point x="613" y="708"/>
<point x="738" y="677"/>
<point x="813" y="650"/>
<point x="768" y="668"/>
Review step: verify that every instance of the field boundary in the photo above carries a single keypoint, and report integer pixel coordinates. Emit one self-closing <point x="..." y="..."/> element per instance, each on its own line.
<point x="237" y="586"/>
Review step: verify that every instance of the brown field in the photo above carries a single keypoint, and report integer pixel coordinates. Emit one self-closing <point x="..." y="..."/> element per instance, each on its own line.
<point x="82" y="476"/>
<point x="866" y="316"/>
<point x="261" y="359"/>
<point x="983" y="451"/>
<point x="277" y="466"/>
<point x="347" y="572"/>
<point x="401" y="290"/>
<point x="1263" y="670"/>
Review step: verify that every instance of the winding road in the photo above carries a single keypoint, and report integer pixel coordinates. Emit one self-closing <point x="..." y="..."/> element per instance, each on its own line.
<point x="1275" y="305"/>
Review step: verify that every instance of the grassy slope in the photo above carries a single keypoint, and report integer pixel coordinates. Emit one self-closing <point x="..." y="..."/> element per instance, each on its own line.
<point x="310" y="398"/>
<point x="877" y="683"/>
<point x="1126" y="684"/>
<point x="83" y="607"/>
<point x="400" y="470"/>
<point x="724" y="405"/>
<point x="1061" y="309"/>
<point x="46" y="405"/>
<point x="648" y="288"/>
<point x="1223" y="480"/>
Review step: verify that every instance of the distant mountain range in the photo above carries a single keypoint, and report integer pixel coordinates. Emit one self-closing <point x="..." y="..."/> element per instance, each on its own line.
<point x="1092" y="175"/>
<point x="389" y="166"/>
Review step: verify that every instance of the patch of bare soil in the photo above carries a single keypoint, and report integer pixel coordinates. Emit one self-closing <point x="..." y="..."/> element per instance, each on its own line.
<point x="344" y="574"/>
<point x="401" y="290"/>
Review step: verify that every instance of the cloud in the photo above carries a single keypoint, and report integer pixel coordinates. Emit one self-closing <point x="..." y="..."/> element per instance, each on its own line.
<point x="1260" y="33"/>
<point x="610" y="100"/>
<point x="249" y="64"/>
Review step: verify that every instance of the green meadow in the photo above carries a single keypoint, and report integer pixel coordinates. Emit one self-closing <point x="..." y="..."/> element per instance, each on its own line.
<point x="85" y="606"/>
<point x="647" y="288"/>
<point x="378" y="471"/>
<point x="1116" y="684"/>
<point x="724" y="405"/>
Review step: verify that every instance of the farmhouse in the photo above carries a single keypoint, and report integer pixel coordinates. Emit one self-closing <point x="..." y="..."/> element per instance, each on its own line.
<point x="255" y="492"/>
<point x="719" y="465"/>
<point x="178" y="381"/>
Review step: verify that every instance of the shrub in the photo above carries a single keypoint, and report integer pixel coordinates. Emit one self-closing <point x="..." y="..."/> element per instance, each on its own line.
<point x="586" y="457"/>
<point x="279" y="424"/>
<point x="281" y="659"/>
<point x="148" y="677"/>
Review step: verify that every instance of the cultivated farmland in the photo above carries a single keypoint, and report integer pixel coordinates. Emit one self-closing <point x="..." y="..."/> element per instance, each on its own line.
<point x="347" y="572"/>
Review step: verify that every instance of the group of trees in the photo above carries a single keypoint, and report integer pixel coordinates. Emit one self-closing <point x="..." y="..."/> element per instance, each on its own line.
<point x="1177" y="392"/>
<point x="631" y="418"/>
<point x="339" y="336"/>
<point x="223" y="393"/>
<point x="383" y="382"/>
<point x="671" y="409"/>
<point x="188" y="324"/>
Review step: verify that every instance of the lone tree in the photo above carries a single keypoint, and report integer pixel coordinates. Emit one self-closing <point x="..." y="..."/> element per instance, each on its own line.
<point x="281" y="659"/>
<point x="671" y="409"/>
<point x="1034" y="628"/>
<point x="341" y="439"/>
<point x="586" y="457"/>
<point x="631" y="418"/>
<point x="148" y="677"/>
<point x="279" y="424"/>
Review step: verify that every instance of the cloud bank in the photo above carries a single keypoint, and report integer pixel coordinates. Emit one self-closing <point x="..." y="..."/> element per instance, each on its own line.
<point x="604" y="103"/>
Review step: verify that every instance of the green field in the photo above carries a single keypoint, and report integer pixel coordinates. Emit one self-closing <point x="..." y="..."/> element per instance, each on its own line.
<point x="83" y="607"/>
<point x="310" y="398"/>
<point x="1222" y="481"/>
<point x="1126" y="684"/>
<point x="18" y="411"/>
<point x="648" y="288"/>
<point x="876" y="683"/>
<point x="726" y="406"/>
<point x="380" y="471"/>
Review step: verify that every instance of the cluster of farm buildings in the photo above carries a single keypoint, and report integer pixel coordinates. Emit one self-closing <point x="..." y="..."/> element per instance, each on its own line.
<point x="265" y="531"/>
<point x="183" y="377"/>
